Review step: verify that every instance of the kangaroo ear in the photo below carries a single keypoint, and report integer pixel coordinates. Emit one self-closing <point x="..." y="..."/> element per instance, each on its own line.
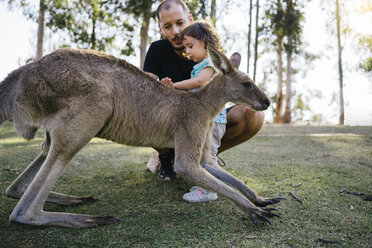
<point x="219" y="60"/>
<point x="235" y="59"/>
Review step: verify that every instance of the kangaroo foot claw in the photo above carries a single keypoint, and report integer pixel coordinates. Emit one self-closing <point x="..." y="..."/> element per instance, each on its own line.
<point x="266" y="202"/>
<point x="268" y="213"/>
<point x="267" y="220"/>
<point x="276" y="215"/>
<point x="263" y="214"/>
<point x="276" y="200"/>
<point x="271" y="209"/>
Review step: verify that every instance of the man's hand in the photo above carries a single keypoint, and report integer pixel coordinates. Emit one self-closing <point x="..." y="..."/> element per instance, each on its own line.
<point x="167" y="81"/>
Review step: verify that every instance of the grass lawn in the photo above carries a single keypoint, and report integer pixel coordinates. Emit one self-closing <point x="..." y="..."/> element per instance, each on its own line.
<point x="313" y="162"/>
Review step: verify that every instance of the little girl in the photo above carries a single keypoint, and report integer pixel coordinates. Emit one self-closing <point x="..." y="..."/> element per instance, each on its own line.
<point x="195" y="38"/>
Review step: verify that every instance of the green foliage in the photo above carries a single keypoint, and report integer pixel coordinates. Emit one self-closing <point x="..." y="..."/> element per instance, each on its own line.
<point x="90" y="23"/>
<point x="283" y="22"/>
<point x="292" y="23"/>
<point x="368" y="65"/>
<point x="275" y="14"/>
<point x="93" y="24"/>
<point x="365" y="44"/>
<point x="139" y="8"/>
<point x="29" y="9"/>
<point x="198" y="8"/>
<point x="300" y="106"/>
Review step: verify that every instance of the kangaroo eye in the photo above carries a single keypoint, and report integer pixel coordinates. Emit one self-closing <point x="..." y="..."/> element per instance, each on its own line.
<point x="247" y="85"/>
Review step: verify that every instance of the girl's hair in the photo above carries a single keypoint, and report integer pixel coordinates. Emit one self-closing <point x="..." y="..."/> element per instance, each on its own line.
<point x="202" y="30"/>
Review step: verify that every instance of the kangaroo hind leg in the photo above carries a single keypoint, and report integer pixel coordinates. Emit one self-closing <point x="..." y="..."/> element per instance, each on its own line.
<point x="19" y="186"/>
<point x="65" y="143"/>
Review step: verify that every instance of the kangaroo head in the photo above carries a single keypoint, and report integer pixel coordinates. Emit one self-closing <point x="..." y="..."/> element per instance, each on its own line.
<point x="239" y="87"/>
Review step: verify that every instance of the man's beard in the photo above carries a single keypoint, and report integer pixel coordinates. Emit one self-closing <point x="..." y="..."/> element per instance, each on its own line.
<point x="181" y="48"/>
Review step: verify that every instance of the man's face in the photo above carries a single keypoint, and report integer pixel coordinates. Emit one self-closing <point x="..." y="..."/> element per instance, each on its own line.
<point x="171" y="23"/>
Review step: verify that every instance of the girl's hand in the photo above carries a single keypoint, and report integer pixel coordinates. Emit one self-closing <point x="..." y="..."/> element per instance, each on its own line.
<point x="167" y="81"/>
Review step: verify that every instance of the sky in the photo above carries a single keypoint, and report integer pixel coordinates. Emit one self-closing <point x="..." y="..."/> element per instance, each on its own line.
<point x="17" y="43"/>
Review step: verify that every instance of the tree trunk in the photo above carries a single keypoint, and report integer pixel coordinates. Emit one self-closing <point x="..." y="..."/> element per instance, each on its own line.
<point x="93" y="42"/>
<point x="287" y="114"/>
<point x="249" y="35"/>
<point x="144" y="38"/>
<point x="340" y="71"/>
<point x="93" y="37"/>
<point x="256" y="41"/>
<point x="279" y="94"/>
<point x="40" y="30"/>
<point x="213" y="12"/>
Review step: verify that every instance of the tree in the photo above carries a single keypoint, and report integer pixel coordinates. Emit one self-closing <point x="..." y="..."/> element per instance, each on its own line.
<point x="90" y="24"/>
<point x="340" y="70"/>
<point x="293" y="30"/>
<point x="29" y="11"/>
<point x="249" y="34"/>
<point x="284" y="25"/>
<point x="40" y="30"/>
<point x="198" y="8"/>
<point x="213" y="12"/>
<point x="300" y="106"/>
<point x="141" y="10"/>
<point x="365" y="43"/>
<point x="256" y="40"/>
<point x="275" y="14"/>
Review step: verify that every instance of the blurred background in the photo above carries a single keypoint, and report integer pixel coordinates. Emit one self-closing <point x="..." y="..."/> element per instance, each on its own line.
<point x="312" y="57"/>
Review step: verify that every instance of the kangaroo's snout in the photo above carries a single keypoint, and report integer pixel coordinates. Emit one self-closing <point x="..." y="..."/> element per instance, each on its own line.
<point x="266" y="103"/>
<point x="263" y="105"/>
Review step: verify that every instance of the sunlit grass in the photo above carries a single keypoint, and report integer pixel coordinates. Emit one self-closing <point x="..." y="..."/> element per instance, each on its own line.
<point x="17" y="140"/>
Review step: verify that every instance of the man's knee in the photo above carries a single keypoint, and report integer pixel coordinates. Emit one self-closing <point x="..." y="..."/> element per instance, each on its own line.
<point x="254" y="121"/>
<point x="258" y="118"/>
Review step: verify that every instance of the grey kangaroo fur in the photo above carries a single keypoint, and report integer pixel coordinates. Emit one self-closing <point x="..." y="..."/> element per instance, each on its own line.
<point x="76" y="95"/>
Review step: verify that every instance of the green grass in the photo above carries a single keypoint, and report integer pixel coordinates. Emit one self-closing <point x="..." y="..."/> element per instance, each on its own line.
<point x="324" y="159"/>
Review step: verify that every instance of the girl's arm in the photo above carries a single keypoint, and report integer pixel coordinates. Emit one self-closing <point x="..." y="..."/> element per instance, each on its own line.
<point x="194" y="83"/>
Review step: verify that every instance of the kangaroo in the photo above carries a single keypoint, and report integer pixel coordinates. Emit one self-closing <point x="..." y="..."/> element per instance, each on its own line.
<point x="76" y="95"/>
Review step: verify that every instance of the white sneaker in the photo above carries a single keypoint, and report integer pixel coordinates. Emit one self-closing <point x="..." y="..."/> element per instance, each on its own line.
<point x="198" y="194"/>
<point x="193" y="188"/>
<point x="154" y="163"/>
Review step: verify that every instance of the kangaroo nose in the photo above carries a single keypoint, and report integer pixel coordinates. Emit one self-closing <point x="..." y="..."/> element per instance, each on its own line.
<point x="267" y="102"/>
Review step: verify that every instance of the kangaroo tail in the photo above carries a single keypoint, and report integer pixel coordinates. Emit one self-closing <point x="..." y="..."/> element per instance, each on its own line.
<point x="7" y="95"/>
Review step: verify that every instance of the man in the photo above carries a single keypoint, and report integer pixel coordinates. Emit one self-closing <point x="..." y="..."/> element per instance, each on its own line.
<point x="164" y="59"/>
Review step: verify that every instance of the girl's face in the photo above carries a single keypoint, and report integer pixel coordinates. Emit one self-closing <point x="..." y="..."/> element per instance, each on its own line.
<point x="195" y="49"/>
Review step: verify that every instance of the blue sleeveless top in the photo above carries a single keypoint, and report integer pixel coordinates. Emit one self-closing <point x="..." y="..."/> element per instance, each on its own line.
<point x="221" y="117"/>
